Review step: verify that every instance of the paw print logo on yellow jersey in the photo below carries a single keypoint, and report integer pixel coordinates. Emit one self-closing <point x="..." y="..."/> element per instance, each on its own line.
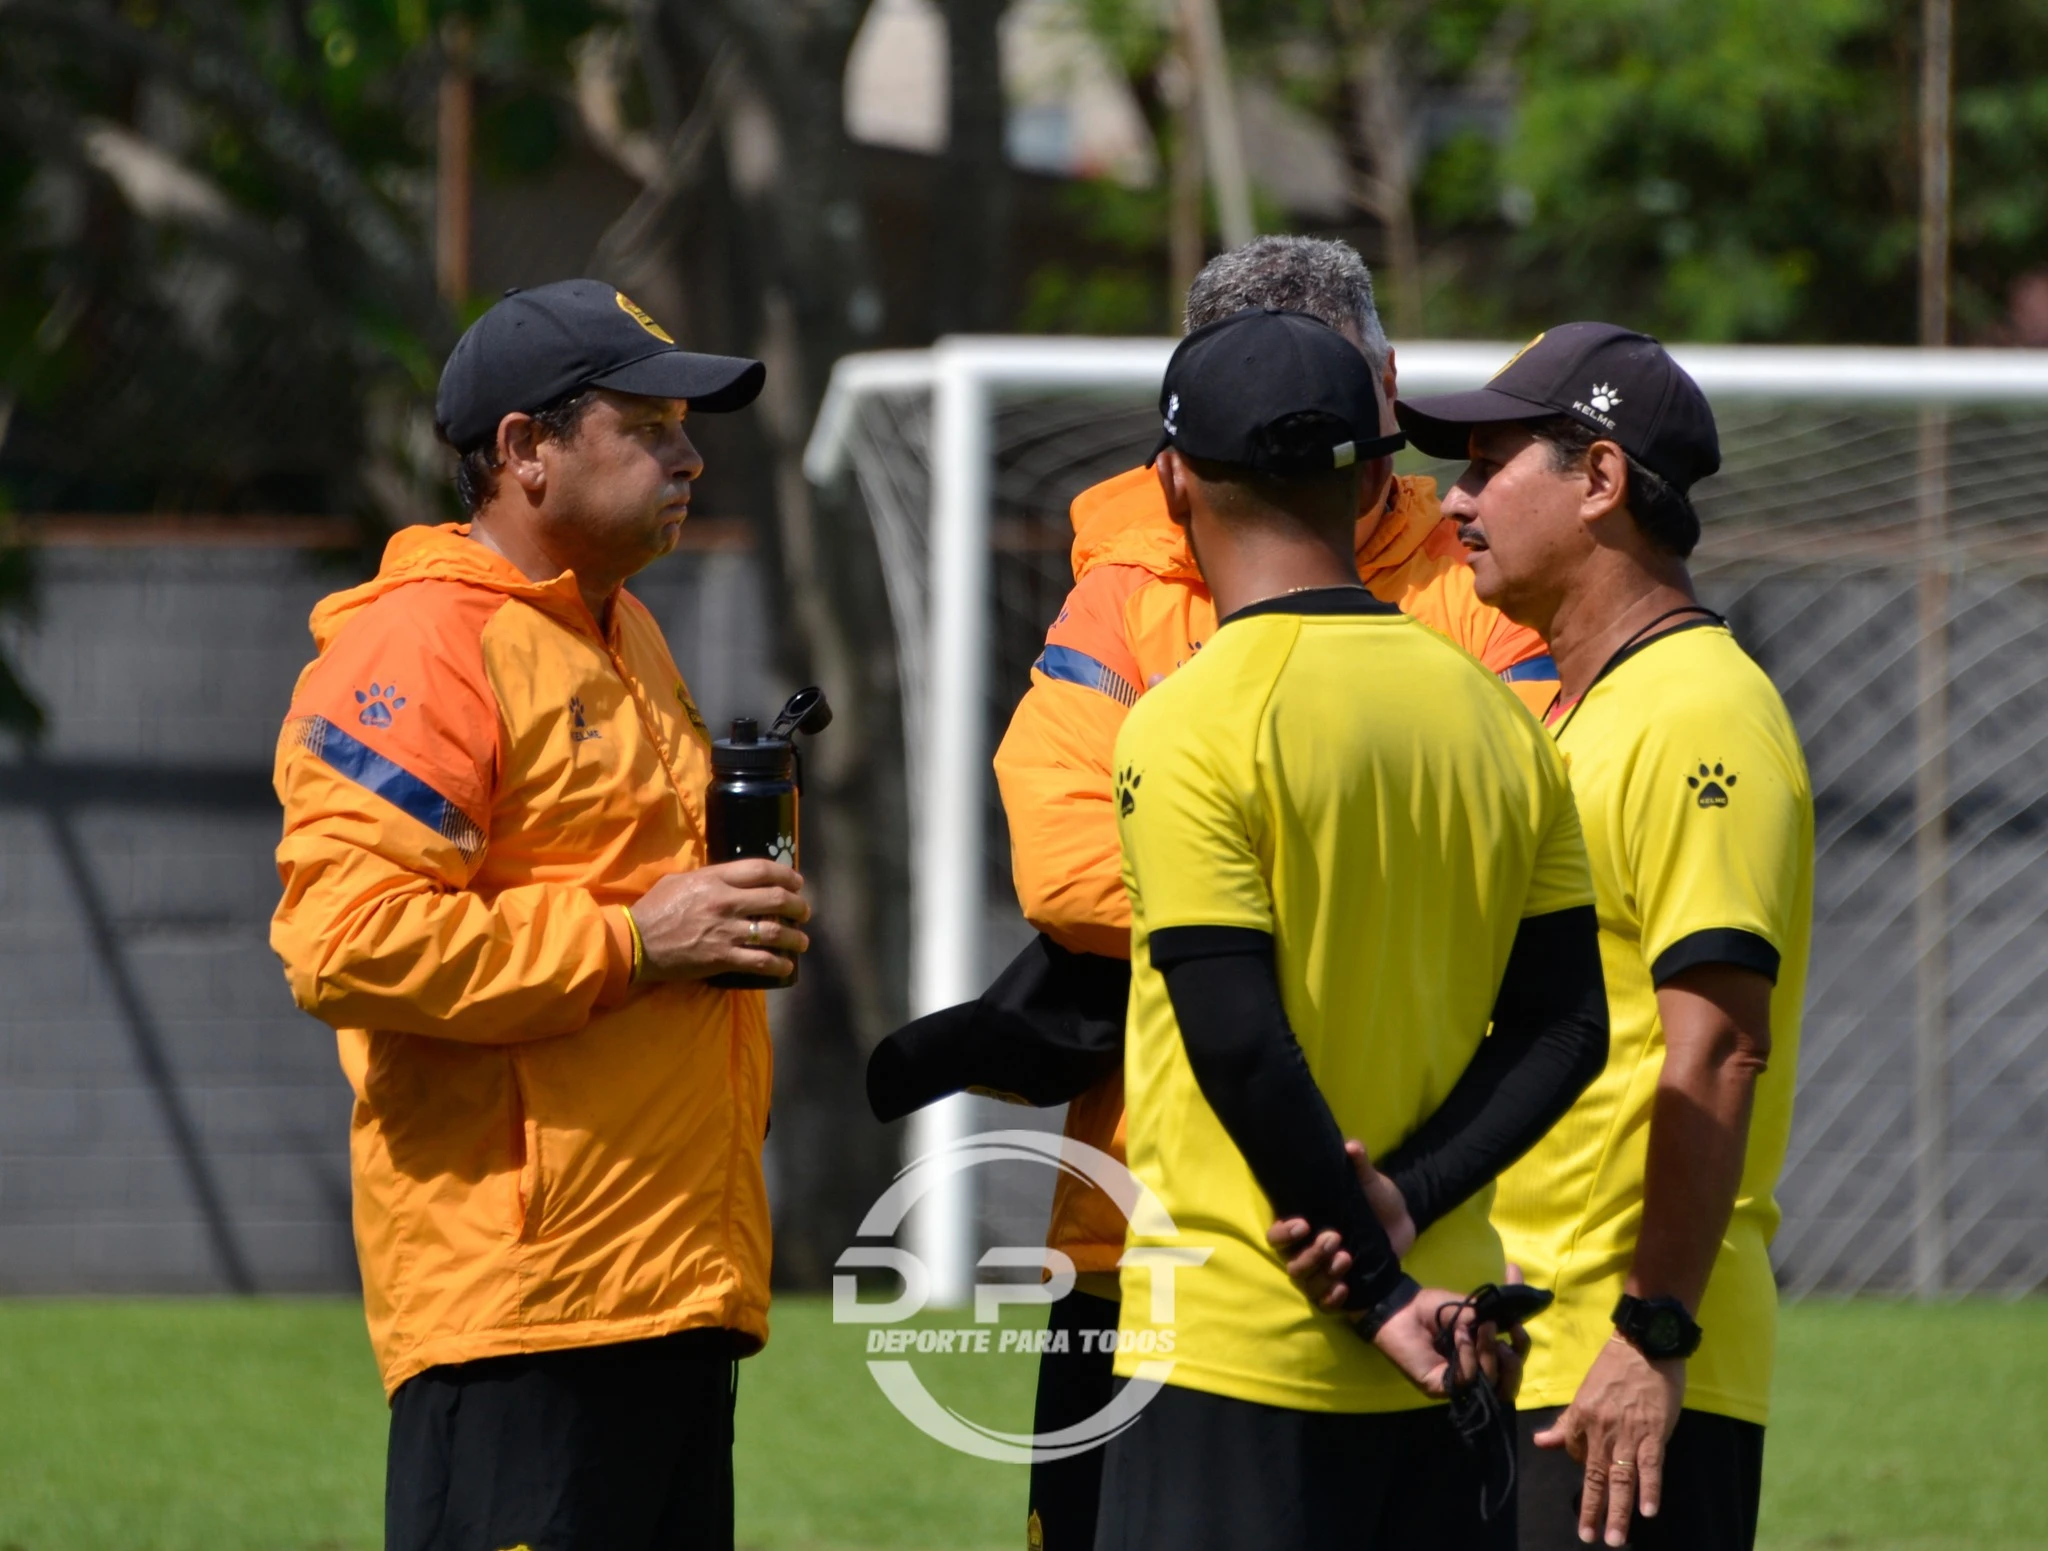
<point x="1712" y="785"/>
<point x="1128" y="781"/>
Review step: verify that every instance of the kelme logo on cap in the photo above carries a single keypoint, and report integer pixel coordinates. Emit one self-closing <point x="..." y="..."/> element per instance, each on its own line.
<point x="1599" y="404"/>
<point x="633" y="311"/>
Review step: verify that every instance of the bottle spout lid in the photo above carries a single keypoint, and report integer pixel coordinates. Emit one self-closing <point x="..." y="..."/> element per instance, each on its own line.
<point x="747" y="753"/>
<point x="806" y="711"/>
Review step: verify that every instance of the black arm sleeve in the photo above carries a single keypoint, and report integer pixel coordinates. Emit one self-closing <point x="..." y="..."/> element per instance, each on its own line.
<point x="1049" y="1028"/>
<point x="1549" y="1041"/>
<point x="1226" y="999"/>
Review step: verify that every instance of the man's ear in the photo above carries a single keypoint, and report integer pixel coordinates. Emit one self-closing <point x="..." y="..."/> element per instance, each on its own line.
<point x="519" y="452"/>
<point x="1389" y="391"/>
<point x="1173" y="484"/>
<point x="1375" y="487"/>
<point x="1606" y="482"/>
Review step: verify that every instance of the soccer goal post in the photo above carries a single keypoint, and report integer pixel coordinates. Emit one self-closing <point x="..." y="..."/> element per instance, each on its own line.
<point x="1878" y="536"/>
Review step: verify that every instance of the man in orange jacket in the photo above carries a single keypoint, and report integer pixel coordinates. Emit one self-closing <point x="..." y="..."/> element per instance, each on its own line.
<point x="1138" y="611"/>
<point x="495" y="889"/>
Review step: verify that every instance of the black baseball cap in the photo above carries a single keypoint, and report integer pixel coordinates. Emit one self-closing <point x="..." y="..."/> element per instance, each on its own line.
<point x="1272" y="391"/>
<point x="1620" y="384"/>
<point x="536" y="346"/>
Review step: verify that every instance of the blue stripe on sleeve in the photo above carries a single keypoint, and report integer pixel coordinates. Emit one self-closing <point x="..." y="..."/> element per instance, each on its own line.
<point x="394" y="783"/>
<point x="1073" y="667"/>
<point x="1534" y="669"/>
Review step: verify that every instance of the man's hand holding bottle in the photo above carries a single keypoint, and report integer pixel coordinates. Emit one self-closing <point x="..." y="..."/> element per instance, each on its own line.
<point x="731" y="916"/>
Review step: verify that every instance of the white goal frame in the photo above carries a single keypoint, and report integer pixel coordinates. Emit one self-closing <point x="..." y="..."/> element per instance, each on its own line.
<point x="966" y="377"/>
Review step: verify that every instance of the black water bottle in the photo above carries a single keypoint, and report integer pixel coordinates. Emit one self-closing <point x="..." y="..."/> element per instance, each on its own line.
<point x="753" y="804"/>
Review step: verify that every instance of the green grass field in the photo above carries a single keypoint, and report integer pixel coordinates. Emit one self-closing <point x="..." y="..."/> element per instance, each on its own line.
<point x="218" y="1426"/>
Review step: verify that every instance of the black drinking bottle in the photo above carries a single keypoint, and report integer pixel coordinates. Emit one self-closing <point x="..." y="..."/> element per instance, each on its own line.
<point x="751" y="808"/>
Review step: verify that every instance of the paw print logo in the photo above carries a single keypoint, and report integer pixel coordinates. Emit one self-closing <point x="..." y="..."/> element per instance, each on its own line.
<point x="1712" y="785"/>
<point x="378" y="702"/>
<point x="1603" y="398"/>
<point x="1128" y="780"/>
<point x="784" y="850"/>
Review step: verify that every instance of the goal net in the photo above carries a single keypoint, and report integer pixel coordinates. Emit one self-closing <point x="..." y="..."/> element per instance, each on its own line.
<point x="1878" y="537"/>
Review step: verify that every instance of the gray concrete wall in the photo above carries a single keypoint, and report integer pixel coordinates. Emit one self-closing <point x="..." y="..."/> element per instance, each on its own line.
<point x="169" y="1122"/>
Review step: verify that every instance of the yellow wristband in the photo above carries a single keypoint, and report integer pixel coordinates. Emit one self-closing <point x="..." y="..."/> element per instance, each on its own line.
<point x="639" y="947"/>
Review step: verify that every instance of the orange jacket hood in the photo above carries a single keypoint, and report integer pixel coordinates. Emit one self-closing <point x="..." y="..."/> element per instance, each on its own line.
<point x="446" y="554"/>
<point x="1124" y="521"/>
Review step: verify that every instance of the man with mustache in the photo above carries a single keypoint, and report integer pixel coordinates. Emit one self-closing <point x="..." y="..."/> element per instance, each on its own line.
<point x="1649" y="1207"/>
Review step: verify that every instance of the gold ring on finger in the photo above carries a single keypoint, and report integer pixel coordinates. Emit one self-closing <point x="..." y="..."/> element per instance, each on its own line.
<point x="754" y="934"/>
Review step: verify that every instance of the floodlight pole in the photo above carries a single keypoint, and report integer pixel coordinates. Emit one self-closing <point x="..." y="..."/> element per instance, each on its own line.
<point x="453" y="143"/>
<point x="948" y="859"/>
<point x="1931" y="729"/>
<point x="1222" y="135"/>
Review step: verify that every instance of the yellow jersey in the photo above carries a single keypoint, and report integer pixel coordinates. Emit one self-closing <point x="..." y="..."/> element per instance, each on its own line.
<point x="1332" y="773"/>
<point x="1698" y="817"/>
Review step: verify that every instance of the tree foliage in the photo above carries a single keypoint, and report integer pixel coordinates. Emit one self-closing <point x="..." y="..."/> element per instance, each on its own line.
<point x="1743" y="169"/>
<point x="216" y="290"/>
<point x="1738" y="169"/>
<point x="1709" y="169"/>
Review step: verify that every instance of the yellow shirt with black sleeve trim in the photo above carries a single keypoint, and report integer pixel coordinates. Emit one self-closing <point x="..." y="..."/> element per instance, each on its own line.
<point x="1698" y="817"/>
<point x="1332" y="773"/>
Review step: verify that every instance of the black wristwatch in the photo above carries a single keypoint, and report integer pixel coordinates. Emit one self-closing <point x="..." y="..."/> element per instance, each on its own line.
<point x="1393" y="1303"/>
<point x="1659" y="1328"/>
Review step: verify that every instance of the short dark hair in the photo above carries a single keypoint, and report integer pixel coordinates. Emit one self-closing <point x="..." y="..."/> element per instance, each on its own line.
<point x="476" y="471"/>
<point x="1318" y="489"/>
<point x="1659" y="508"/>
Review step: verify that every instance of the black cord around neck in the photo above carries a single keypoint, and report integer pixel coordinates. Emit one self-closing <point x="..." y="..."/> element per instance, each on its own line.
<point x="1615" y="658"/>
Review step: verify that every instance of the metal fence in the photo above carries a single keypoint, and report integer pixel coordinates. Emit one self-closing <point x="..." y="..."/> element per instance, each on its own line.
<point x="1890" y="570"/>
<point x="1879" y="539"/>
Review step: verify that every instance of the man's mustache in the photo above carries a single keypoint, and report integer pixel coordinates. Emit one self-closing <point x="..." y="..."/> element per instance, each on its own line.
<point x="1470" y="536"/>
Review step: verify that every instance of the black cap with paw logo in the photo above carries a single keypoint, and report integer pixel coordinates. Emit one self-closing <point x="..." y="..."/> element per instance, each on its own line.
<point x="1619" y="383"/>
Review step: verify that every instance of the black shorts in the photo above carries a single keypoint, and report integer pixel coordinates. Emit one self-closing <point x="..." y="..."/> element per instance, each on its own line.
<point x="1200" y="1472"/>
<point x="1072" y="1386"/>
<point x="597" y="1448"/>
<point x="1713" y="1478"/>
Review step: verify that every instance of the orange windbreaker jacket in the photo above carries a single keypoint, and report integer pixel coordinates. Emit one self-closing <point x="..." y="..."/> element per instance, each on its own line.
<point x="1139" y="610"/>
<point x="476" y="781"/>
